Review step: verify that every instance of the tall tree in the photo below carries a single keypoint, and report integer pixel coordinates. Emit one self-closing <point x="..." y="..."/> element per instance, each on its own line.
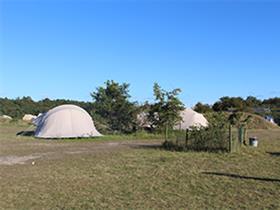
<point x="166" y="109"/>
<point x="112" y="104"/>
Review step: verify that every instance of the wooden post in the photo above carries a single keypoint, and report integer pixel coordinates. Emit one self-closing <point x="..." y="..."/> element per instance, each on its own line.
<point x="241" y="136"/>
<point x="230" y="139"/>
<point x="245" y="136"/>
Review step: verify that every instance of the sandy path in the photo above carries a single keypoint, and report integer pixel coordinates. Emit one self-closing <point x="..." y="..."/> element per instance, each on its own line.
<point x="29" y="152"/>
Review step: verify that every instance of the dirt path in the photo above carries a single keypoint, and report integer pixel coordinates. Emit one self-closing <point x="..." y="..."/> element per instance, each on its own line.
<point x="28" y="152"/>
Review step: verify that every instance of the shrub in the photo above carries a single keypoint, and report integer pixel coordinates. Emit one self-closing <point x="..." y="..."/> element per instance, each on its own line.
<point x="213" y="138"/>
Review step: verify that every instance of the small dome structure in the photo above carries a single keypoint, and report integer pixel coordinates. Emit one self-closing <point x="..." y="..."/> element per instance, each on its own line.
<point x="191" y="118"/>
<point x="28" y="117"/>
<point x="143" y="121"/>
<point x="6" y="117"/>
<point x="65" y="121"/>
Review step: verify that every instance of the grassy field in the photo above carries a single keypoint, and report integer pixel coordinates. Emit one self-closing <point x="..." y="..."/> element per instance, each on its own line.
<point x="135" y="174"/>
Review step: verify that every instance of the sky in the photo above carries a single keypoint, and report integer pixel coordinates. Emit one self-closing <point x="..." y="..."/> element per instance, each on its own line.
<point x="209" y="49"/>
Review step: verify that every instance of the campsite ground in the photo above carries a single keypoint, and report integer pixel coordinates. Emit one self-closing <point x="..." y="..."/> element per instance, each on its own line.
<point x="123" y="174"/>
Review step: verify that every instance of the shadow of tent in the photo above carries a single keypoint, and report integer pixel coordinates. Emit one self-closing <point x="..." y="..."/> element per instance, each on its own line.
<point x="274" y="153"/>
<point x="237" y="176"/>
<point x="26" y="133"/>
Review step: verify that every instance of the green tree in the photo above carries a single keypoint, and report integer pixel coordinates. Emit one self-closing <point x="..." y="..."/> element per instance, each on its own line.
<point x="230" y="104"/>
<point x="202" y="108"/>
<point x="253" y="102"/>
<point x="111" y="103"/>
<point x="165" y="112"/>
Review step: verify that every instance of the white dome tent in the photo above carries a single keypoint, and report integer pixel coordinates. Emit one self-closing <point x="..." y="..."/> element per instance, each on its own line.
<point x="65" y="121"/>
<point x="191" y="118"/>
<point x="38" y="119"/>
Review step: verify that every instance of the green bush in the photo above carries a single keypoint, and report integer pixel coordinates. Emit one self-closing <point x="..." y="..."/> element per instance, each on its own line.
<point x="213" y="138"/>
<point x="209" y="139"/>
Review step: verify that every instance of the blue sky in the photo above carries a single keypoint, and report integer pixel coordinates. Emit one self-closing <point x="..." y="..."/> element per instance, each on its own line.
<point x="209" y="49"/>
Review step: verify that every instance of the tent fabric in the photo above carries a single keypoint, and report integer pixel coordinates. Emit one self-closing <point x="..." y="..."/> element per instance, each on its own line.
<point x="65" y="121"/>
<point x="38" y="119"/>
<point x="191" y="118"/>
<point x="28" y="117"/>
<point x="6" y="117"/>
<point x="143" y="121"/>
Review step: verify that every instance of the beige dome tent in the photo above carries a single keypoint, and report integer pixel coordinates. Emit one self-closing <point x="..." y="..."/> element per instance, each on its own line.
<point x="191" y="118"/>
<point x="6" y="117"/>
<point x="143" y="121"/>
<point x="65" y="121"/>
<point x="28" y="117"/>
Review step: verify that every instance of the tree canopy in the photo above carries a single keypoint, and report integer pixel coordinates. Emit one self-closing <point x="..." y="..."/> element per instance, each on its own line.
<point x="166" y="109"/>
<point x="202" y="108"/>
<point x="113" y="111"/>
<point x="112" y="106"/>
<point x="16" y="108"/>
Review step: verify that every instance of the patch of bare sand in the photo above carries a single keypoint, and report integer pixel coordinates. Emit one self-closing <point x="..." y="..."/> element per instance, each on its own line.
<point x="12" y="160"/>
<point x="57" y="151"/>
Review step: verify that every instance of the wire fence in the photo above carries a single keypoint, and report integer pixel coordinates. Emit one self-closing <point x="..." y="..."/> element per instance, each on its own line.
<point x="208" y="139"/>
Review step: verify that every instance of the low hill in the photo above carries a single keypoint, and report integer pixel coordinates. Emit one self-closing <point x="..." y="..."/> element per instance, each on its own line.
<point x="256" y="121"/>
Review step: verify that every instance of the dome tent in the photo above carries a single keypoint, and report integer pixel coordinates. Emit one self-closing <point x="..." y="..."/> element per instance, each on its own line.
<point x="6" y="117"/>
<point x="28" y="117"/>
<point x="65" y="121"/>
<point x="38" y="119"/>
<point x="191" y="118"/>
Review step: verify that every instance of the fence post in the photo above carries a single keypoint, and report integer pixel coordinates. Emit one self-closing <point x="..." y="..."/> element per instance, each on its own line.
<point x="230" y="139"/>
<point x="241" y="136"/>
<point x="245" y="136"/>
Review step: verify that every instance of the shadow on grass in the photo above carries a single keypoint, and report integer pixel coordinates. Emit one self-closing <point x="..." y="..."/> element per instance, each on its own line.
<point x="173" y="146"/>
<point x="25" y="133"/>
<point x="146" y="146"/>
<point x="274" y="153"/>
<point x="167" y="146"/>
<point x="237" y="176"/>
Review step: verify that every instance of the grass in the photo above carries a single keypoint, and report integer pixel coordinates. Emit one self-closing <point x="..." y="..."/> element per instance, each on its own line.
<point x="94" y="175"/>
